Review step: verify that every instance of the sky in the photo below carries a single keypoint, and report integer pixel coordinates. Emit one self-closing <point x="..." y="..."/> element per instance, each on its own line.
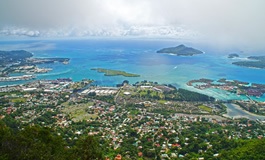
<point x="220" y="22"/>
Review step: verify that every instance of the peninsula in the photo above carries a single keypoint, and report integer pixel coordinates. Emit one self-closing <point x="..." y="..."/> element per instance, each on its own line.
<point x="180" y="50"/>
<point x="21" y="61"/>
<point x="109" y="72"/>
<point x="18" y="56"/>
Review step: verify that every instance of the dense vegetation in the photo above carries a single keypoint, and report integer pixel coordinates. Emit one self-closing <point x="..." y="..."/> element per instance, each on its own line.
<point x="251" y="149"/>
<point x="7" y="57"/>
<point x="35" y="142"/>
<point x="110" y="72"/>
<point x="186" y="95"/>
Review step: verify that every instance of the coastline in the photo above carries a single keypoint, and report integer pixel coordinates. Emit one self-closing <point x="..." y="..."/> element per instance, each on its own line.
<point x="233" y="108"/>
<point x="17" y="78"/>
<point x="141" y="58"/>
<point x="110" y="72"/>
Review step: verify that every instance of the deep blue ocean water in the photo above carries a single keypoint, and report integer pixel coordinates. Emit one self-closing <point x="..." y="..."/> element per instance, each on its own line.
<point x="139" y="57"/>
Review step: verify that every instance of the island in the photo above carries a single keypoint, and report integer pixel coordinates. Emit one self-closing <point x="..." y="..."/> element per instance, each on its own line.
<point x="253" y="62"/>
<point x="110" y="72"/>
<point x="233" y="55"/>
<point x="180" y="50"/>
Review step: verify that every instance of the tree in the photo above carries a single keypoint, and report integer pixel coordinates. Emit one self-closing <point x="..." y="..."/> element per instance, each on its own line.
<point x="250" y="149"/>
<point x="32" y="143"/>
<point x="87" y="149"/>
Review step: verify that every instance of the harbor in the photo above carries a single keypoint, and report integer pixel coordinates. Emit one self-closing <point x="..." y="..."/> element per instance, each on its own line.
<point x="17" y="78"/>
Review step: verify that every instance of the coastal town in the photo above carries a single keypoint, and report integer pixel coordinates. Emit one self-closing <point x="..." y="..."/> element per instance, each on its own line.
<point x="132" y="80"/>
<point x="21" y="62"/>
<point x="143" y="120"/>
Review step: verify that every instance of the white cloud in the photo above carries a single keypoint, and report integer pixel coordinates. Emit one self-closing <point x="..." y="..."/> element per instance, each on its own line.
<point x="223" y="22"/>
<point x="119" y="31"/>
<point x="13" y="31"/>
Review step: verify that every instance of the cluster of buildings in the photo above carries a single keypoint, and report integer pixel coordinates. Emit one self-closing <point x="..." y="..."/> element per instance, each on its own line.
<point x="155" y="131"/>
<point x="29" y="69"/>
<point x="17" y="78"/>
<point x="100" y="90"/>
<point x="132" y="125"/>
<point x="240" y="88"/>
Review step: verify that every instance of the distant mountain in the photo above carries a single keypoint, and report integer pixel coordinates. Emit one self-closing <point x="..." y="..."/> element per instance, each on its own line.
<point x="7" y="57"/>
<point x="233" y="55"/>
<point x="180" y="50"/>
<point x="254" y="62"/>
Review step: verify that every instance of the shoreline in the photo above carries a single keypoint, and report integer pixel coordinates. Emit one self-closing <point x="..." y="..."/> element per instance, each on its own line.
<point x="236" y="108"/>
<point x="17" y="78"/>
<point x="110" y="72"/>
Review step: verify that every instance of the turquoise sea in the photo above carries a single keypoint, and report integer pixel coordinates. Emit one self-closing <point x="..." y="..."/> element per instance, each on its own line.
<point x="140" y="57"/>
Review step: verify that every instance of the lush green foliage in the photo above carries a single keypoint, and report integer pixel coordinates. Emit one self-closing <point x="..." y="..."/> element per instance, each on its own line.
<point x="185" y="95"/>
<point x="110" y="72"/>
<point x="14" y="56"/>
<point x="253" y="149"/>
<point x="34" y="142"/>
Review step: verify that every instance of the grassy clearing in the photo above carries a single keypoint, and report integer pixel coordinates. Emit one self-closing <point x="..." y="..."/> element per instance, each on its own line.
<point x="162" y="101"/>
<point x="205" y="108"/>
<point x="78" y="112"/>
<point x="134" y="112"/>
<point x="18" y="100"/>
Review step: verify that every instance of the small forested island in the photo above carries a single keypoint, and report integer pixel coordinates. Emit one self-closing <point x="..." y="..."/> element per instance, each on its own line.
<point x="21" y="61"/>
<point x="253" y="62"/>
<point x="233" y="55"/>
<point x="110" y="72"/>
<point x="180" y="50"/>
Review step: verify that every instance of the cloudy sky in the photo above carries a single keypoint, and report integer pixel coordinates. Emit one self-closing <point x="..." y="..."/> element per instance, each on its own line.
<point x="217" y="21"/>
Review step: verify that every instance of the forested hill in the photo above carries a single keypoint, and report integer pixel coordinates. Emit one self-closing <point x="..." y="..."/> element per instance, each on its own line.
<point x="180" y="50"/>
<point x="35" y="143"/>
<point x="7" y="57"/>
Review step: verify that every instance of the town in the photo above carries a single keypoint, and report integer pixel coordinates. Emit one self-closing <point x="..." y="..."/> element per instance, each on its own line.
<point x="145" y="120"/>
<point x="21" y="62"/>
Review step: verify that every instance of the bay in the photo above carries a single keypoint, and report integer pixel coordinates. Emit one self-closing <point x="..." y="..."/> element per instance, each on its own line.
<point x="139" y="57"/>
